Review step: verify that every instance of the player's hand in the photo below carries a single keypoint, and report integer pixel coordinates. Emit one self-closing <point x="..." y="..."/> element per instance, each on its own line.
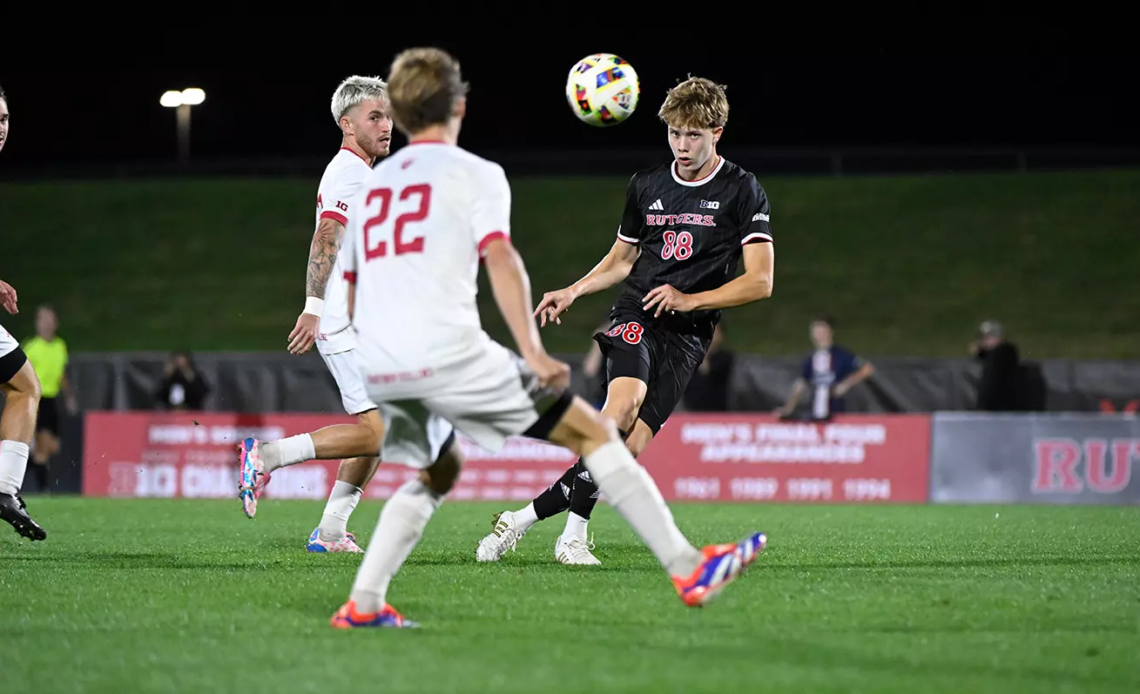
<point x="8" y="298"/>
<point x="554" y="304"/>
<point x="551" y="373"/>
<point x="304" y="334"/>
<point x="665" y="298"/>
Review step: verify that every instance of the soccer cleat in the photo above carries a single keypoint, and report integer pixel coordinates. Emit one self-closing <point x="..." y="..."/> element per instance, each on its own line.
<point x="348" y="618"/>
<point x="13" y="510"/>
<point x="575" y="551"/>
<point x="253" y="476"/>
<point x="504" y="535"/>
<point x="720" y="566"/>
<point x="344" y="544"/>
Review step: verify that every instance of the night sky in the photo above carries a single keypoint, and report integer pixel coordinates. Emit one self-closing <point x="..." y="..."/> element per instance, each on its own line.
<point x="258" y="110"/>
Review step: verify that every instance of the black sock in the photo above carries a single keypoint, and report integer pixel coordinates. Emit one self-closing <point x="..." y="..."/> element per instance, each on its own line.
<point x="584" y="494"/>
<point x="556" y="498"/>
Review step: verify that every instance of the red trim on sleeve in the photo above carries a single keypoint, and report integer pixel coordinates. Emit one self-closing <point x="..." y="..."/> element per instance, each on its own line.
<point x="333" y="214"/>
<point x="350" y="276"/>
<point x="625" y="240"/>
<point x="488" y="239"/>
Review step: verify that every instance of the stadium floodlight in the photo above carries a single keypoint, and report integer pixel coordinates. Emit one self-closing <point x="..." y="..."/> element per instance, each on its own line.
<point x="182" y="101"/>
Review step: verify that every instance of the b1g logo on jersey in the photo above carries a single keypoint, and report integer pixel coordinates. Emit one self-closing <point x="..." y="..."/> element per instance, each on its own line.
<point x="710" y="205"/>
<point x="672" y="220"/>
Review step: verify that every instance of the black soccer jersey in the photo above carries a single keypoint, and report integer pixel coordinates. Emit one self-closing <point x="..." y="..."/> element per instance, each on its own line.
<point x="690" y="234"/>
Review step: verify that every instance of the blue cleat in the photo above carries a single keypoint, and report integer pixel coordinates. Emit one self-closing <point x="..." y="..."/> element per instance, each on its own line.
<point x="721" y="565"/>
<point x="344" y="544"/>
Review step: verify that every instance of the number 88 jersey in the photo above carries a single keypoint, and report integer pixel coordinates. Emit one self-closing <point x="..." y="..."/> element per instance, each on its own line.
<point x="690" y="234"/>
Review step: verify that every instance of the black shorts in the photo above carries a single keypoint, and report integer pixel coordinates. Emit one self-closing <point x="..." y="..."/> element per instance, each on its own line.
<point x="48" y="417"/>
<point x="11" y="363"/>
<point x="662" y="359"/>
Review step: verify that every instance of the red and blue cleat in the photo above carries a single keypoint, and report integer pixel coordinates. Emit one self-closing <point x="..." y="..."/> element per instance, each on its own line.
<point x="720" y="566"/>
<point x="347" y="617"/>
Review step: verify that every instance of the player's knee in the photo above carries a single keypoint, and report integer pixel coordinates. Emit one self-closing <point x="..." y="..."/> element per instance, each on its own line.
<point x="443" y="475"/>
<point x="373" y="421"/>
<point x="602" y="430"/>
<point x="26" y="383"/>
<point x="636" y="445"/>
<point x="623" y="411"/>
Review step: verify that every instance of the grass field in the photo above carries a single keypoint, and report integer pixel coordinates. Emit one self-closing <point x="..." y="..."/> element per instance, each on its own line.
<point x="177" y="596"/>
<point x="909" y="265"/>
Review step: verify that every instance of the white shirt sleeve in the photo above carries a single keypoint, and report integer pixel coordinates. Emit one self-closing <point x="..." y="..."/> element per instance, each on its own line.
<point x="491" y="215"/>
<point x="335" y="198"/>
<point x="348" y="243"/>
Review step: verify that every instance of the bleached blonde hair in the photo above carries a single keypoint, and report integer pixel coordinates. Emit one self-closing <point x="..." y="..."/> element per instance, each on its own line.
<point x="354" y="90"/>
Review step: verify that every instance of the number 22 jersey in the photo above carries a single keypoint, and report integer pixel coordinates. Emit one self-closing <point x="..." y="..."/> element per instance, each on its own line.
<point x="419" y="226"/>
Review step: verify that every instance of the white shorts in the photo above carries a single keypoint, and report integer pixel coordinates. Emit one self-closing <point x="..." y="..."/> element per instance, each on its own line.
<point x="489" y="397"/>
<point x="8" y="344"/>
<point x="345" y="370"/>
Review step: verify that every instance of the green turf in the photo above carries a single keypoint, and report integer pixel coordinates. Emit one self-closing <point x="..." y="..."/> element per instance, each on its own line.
<point x="177" y="596"/>
<point x="909" y="265"/>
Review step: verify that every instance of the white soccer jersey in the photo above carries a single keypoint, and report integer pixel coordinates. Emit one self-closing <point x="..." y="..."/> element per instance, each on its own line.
<point x="417" y="230"/>
<point x="339" y="184"/>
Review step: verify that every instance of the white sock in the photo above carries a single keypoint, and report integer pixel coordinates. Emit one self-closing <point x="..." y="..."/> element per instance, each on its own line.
<point x="631" y="491"/>
<point x="13" y="463"/>
<point x="401" y="525"/>
<point x="525" y="518"/>
<point x="342" y="502"/>
<point x="575" y="527"/>
<point x="286" y="452"/>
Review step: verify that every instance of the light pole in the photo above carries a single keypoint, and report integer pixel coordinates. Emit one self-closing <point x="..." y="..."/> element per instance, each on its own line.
<point x="182" y="101"/>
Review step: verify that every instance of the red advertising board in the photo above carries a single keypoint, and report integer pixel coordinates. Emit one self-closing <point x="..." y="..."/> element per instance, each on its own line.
<point x="754" y="457"/>
<point x="194" y="456"/>
<point x="724" y="457"/>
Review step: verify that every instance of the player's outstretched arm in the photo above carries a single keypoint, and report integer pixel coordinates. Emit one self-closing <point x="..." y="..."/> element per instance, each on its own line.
<point x="511" y="287"/>
<point x="323" y="252"/>
<point x="613" y="269"/>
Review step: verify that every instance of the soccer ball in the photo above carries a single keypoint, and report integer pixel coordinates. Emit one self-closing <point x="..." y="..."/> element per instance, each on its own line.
<point x="602" y="90"/>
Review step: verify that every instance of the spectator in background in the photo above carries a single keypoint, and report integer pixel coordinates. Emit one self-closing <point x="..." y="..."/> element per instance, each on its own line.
<point x="831" y="371"/>
<point x="183" y="386"/>
<point x="998" y="390"/>
<point x="708" y="389"/>
<point x="48" y="354"/>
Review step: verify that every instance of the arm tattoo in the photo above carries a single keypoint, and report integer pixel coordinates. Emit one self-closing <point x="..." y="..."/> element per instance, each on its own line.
<point x="322" y="257"/>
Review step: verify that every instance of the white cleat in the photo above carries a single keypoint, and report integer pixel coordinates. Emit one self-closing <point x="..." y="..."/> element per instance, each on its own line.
<point x="504" y="535"/>
<point x="575" y="551"/>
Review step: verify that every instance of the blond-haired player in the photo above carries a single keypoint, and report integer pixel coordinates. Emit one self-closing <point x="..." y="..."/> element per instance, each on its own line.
<point x="423" y="221"/>
<point x="21" y="388"/>
<point x="686" y="226"/>
<point x="360" y="108"/>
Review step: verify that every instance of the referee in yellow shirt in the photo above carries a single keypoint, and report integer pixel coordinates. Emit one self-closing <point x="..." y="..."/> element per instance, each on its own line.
<point x="48" y="354"/>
